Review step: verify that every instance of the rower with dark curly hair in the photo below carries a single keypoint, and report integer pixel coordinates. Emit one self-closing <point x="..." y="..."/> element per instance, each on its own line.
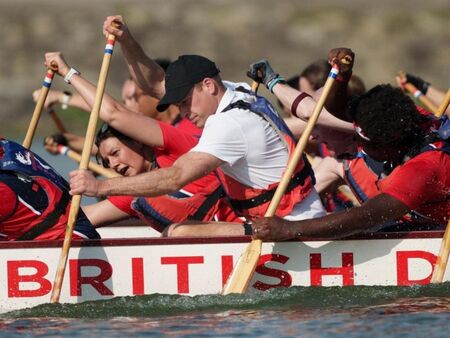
<point x="415" y="176"/>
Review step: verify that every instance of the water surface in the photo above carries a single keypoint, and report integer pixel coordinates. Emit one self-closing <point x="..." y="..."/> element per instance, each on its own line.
<point x="419" y="311"/>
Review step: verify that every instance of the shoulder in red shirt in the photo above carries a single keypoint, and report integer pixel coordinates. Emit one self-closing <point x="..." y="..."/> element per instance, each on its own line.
<point x="423" y="184"/>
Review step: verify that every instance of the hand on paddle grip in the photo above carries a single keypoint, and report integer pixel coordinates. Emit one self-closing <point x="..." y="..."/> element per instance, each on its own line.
<point x="83" y="182"/>
<point x="52" y="142"/>
<point x="55" y="61"/>
<point x="271" y="229"/>
<point x="262" y="72"/>
<point x="115" y="25"/>
<point x="344" y="58"/>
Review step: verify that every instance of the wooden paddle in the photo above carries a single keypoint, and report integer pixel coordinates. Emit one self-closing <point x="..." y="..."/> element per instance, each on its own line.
<point x="443" y="106"/>
<point x="442" y="259"/>
<point x="38" y="108"/>
<point x="85" y="155"/>
<point x="444" y="251"/>
<point x="57" y="121"/>
<point x="255" y="86"/>
<point x="417" y="93"/>
<point x="245" y="267"/>
<point x="94" y="167"/>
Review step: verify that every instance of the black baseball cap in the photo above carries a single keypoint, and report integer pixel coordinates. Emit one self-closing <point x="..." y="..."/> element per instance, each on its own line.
<point x="182" y="75"/>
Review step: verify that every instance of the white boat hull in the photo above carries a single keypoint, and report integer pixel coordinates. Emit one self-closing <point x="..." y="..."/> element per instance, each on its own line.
<point x="126" y="267"/>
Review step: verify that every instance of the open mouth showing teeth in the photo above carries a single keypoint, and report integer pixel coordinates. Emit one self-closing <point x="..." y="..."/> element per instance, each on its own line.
<point x="123" y="171"/>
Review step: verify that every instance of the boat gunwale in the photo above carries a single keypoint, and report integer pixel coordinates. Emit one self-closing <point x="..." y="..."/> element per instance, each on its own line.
<point x="139" y="241"/>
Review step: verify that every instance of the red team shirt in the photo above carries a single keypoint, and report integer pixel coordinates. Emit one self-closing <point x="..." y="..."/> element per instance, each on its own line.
<point x="177" y="141"/>
<point x="423" y="184"/>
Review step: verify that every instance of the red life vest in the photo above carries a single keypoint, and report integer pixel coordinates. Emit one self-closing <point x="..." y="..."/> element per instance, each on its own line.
<point x="162" y="211"/>
<point x="46" y="204"/>
<point x="363" y="173"/>
<point x="252" y="202"/>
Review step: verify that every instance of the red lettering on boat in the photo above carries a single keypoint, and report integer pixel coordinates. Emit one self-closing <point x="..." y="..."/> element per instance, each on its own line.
<point x="284" y="276"/>
<point x="227" y="268"/>
<point x="403" y="258"/>
<point x="97" y="282"/>
<point x="15" y="278"/>
<point x="346" y="270"/>
<point x="182" y="264"/>
<point x="137" y="269"/>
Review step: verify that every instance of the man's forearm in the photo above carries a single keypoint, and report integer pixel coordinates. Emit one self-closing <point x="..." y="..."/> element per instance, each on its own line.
<point x="378" y="210"/>
<point x="144" y="71"/>
<point x="305" y="109"/>
<point x="337" y="101"/>
<point x="87" y="91"/>
<point x="154" y="183"/>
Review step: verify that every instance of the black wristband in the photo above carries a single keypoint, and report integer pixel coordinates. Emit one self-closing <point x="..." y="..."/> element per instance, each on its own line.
<point x="418" y="82"/>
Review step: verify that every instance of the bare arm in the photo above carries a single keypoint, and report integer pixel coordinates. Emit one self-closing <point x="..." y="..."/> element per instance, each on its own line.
<point x="375" y="211"/>
<point x="296" y="125"/>
<point x="287" y="95"/>
<point x="76" y="142"/>
<point x="103" y="213"/>
<point x="437" y="97"/>
<point x="56" y="96"/>
<point x="337" y="100"/>
<point x="137" y="126"/>
<point x="147" y="73"/>
<point x="186" y="169"/>
<point x="328" y="171"/>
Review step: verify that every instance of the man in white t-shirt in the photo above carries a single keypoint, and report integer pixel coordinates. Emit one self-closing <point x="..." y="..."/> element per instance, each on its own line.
<point x="244" y="144"/>
<point x="252" y="154"/>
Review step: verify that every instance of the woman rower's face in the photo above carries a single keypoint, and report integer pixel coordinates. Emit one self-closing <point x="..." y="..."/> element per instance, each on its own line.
<point x="124" y="157"/>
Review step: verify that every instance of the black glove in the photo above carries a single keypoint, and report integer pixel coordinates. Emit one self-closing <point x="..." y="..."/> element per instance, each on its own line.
<point x="262" y="72"/>
<point x="418" y="82"/>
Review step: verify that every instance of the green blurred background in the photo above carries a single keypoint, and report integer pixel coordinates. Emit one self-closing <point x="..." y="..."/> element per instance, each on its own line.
<point x="387" y="36"/>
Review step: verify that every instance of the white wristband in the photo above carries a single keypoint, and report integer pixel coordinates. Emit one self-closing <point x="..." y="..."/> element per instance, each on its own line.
<point x="65" y="99"/>
<point x="71" y="73"/>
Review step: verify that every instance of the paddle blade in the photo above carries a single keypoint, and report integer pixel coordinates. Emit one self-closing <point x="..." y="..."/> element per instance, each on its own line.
<point x="244" y="269"/>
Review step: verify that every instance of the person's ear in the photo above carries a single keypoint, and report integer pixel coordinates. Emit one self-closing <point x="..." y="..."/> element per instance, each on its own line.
<point x="210" y="85"/>
<point x="133" y="89"/>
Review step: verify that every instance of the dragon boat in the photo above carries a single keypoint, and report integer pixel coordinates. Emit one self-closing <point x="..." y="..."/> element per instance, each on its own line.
<point x="131" y="266"/>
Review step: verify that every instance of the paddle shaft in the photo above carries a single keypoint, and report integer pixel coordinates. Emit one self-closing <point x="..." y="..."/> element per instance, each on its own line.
<point x="94" y="167"/>
<point x="444" y="251"/>
<point x="38" y="108"/>
<point x="57" y="121"/>
<point x="419" y="95"/>
<point x="85" y="155"/>
<point x="242" y="273"/>
<point x="442" y="259"/>
<point x="443" y="106"/>
<point x="299" y="149"/>
<point x="255" y="86"/>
